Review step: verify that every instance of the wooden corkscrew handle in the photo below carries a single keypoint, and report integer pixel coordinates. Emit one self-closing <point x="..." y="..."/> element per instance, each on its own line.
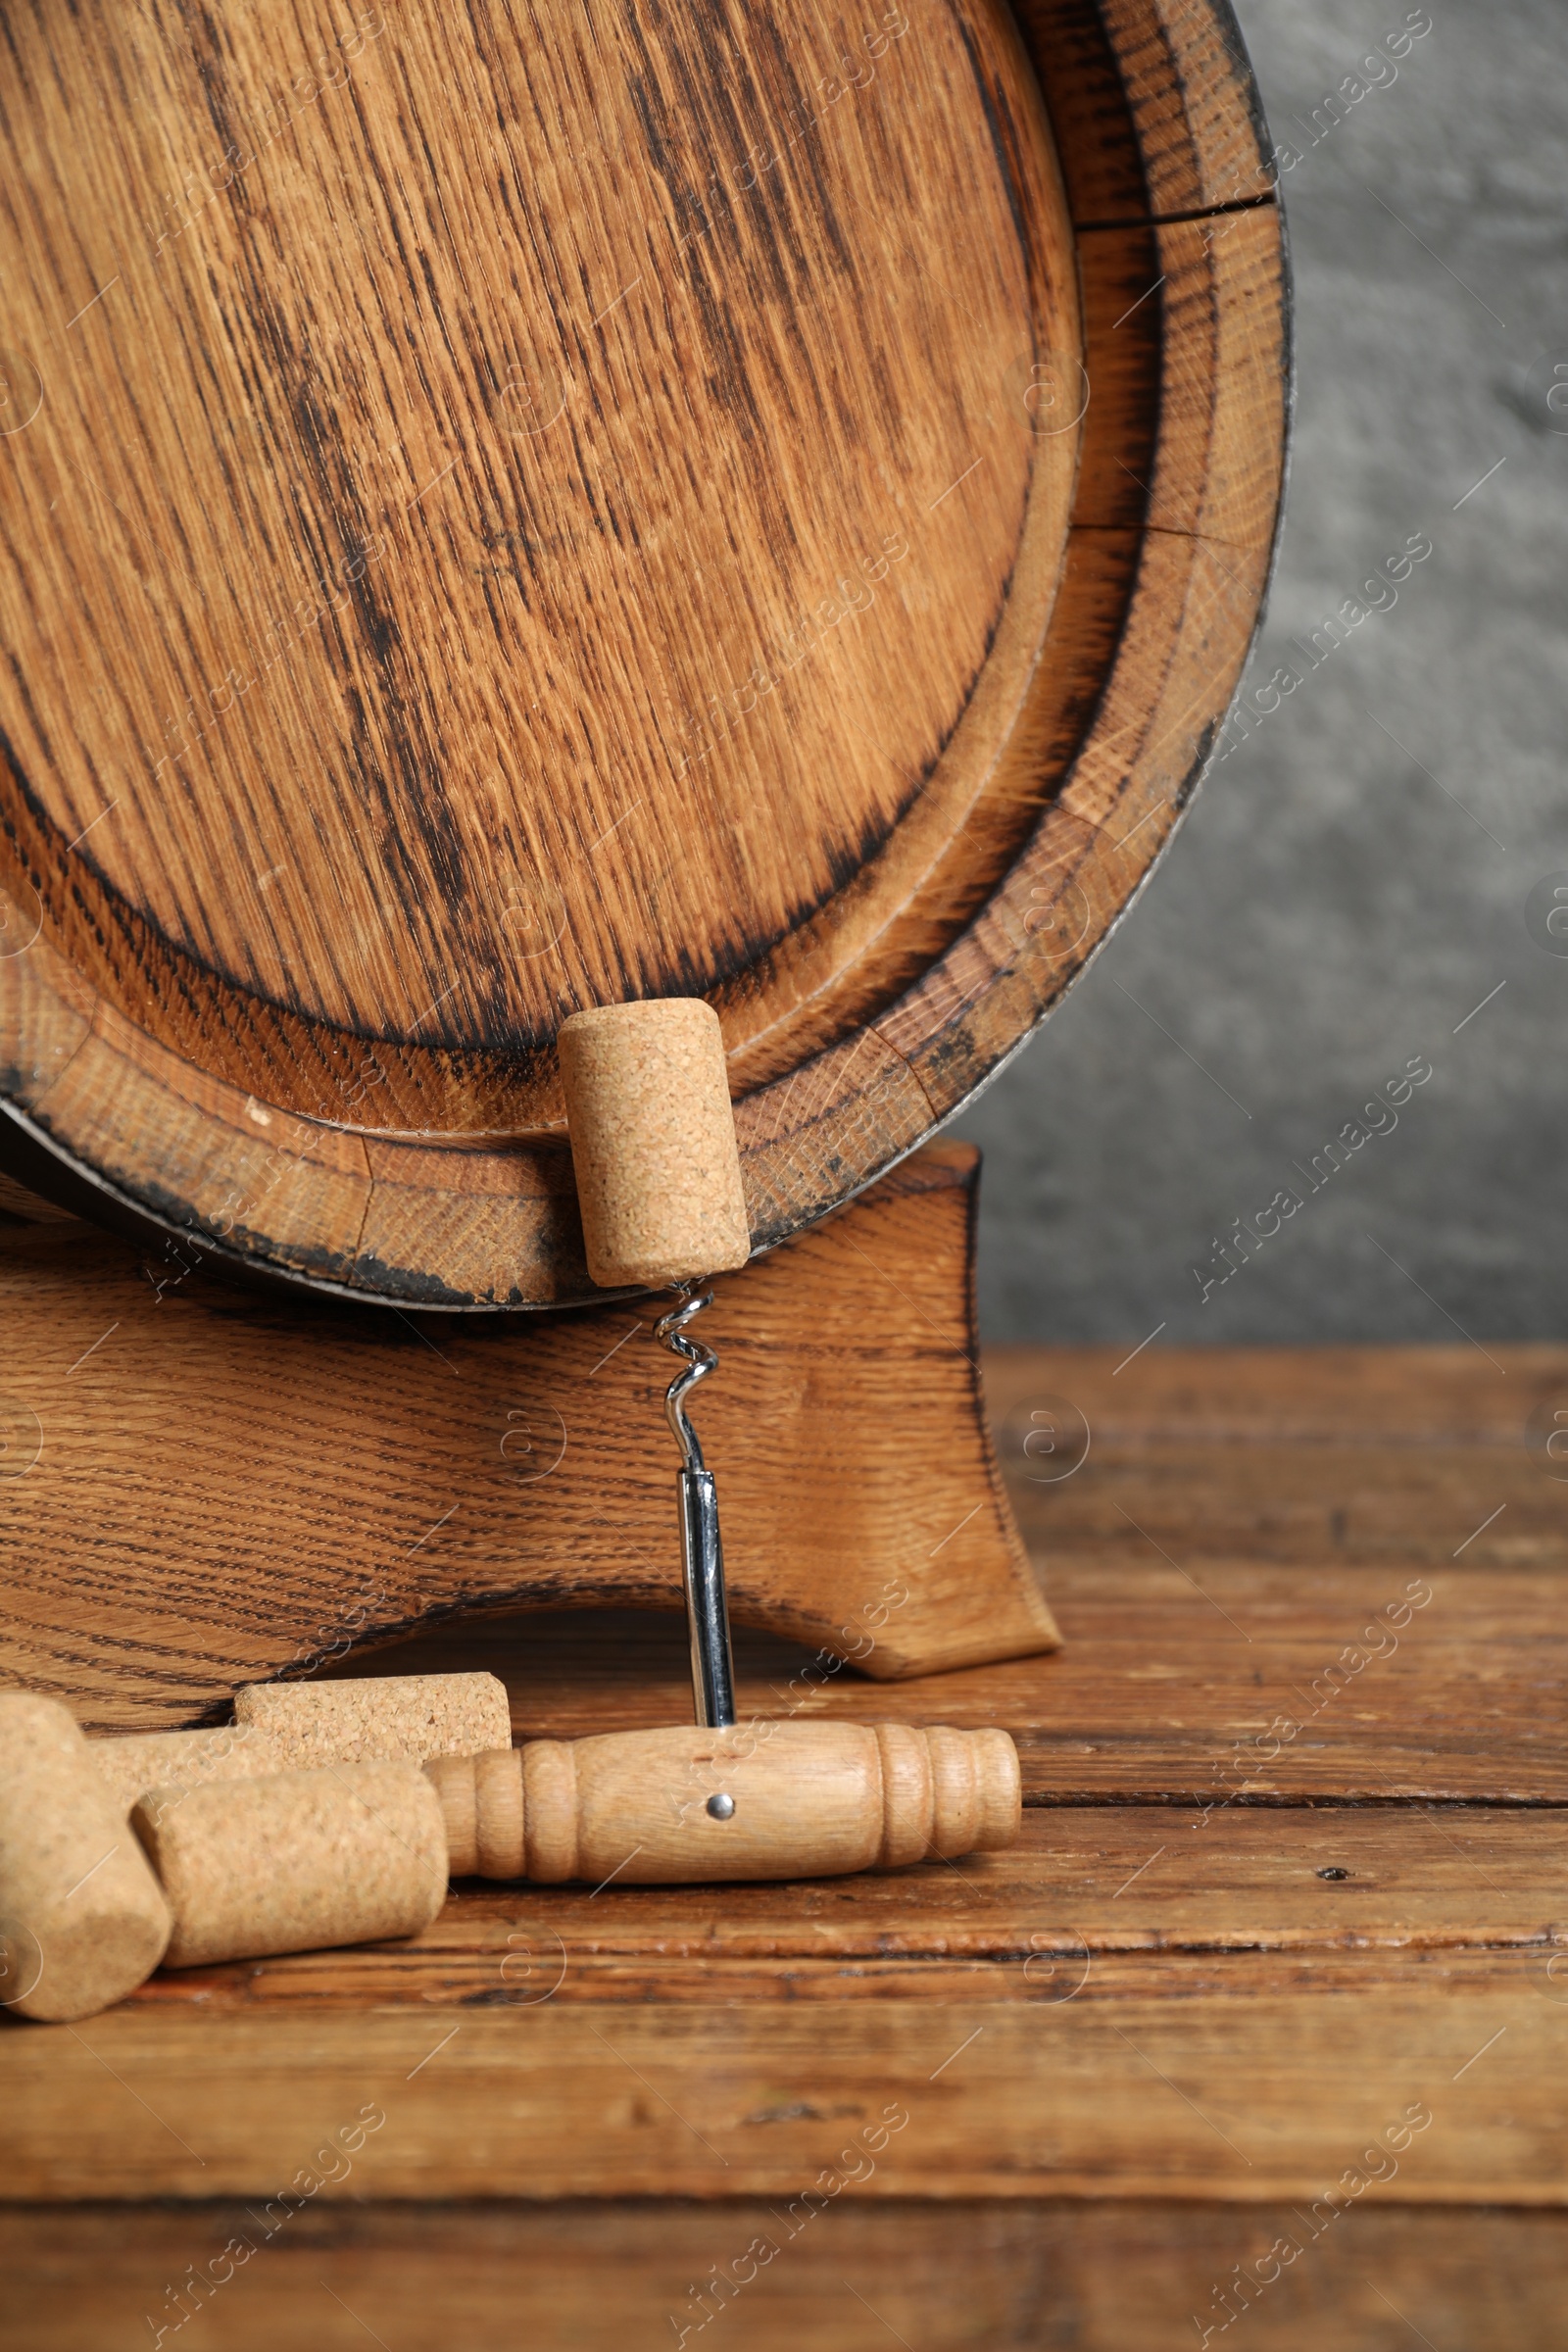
<point x="771" y="1800"/>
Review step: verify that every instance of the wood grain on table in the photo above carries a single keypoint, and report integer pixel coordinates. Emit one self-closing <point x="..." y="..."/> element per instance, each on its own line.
<point x="1055" y="2276"/>
<point x="1191" y="2015"/>
<point x="1209" y="1970"/>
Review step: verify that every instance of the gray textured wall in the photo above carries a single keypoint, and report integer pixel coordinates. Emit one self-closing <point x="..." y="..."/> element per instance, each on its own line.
<point x="1355" y="878"/>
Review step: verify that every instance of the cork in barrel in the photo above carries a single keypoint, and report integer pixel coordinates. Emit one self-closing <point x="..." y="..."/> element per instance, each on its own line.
<point x="653" y="1142"/>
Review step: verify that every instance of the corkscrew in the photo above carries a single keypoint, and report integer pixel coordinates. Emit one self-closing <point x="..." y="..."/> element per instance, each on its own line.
<point x="702" y="1552"/>
<point x="656" y="1158"/>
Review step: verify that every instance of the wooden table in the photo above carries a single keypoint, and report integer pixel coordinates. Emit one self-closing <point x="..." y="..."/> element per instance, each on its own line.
<point x="1289" y="1918"/>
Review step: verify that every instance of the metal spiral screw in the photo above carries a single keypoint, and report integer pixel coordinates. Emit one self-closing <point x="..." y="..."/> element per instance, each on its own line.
<point x="701" y="1552"/>
<point x="671" y="1332"/>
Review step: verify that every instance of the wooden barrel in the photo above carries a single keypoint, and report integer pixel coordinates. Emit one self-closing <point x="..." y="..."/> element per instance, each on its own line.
<point x="761" y="502"/>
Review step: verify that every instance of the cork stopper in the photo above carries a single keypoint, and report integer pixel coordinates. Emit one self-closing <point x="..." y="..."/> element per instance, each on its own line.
<point x="653" y="1142"/>
<point x="82" y="1922"/>
<point x="354" y="1853"/>
<point x="386" y="1717"/>
<point x="142" y="1760"/>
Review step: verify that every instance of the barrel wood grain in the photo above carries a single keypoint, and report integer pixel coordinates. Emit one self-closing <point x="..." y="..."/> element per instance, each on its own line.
<point x="354" y="1084"/>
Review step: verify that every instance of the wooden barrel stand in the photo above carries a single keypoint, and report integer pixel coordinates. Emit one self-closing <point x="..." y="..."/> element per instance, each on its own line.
<point x="200" y="1487"/>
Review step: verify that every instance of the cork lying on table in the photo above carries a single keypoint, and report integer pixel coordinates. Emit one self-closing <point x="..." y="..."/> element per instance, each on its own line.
<point x="653" y="1142"/>
<point x="356" y="1854"/>
<point x="142" y="1760"/>
<point x="391" y="1716"/>
<point x="82" y="1922"/>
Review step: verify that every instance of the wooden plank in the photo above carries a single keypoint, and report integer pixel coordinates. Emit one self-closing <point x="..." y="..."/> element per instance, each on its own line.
<point x="1113" y="2277"/>
<point x="1146" y="1998"/>
<point x="1124" y="327"/>
<point x="1245" y="2077"/>
<point x="1087" y="101"/>
<point x="1175" y="1682"/>
<point x="1430" y="1462"/>
<point x="1180" y="66"/>
<point x="978" y="2279"/>
<point x="1201" y="129"/>
<point x="1084" y="1885"/>
<point x="1190" y="622"/>
<point x="1383" y="1398"/>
